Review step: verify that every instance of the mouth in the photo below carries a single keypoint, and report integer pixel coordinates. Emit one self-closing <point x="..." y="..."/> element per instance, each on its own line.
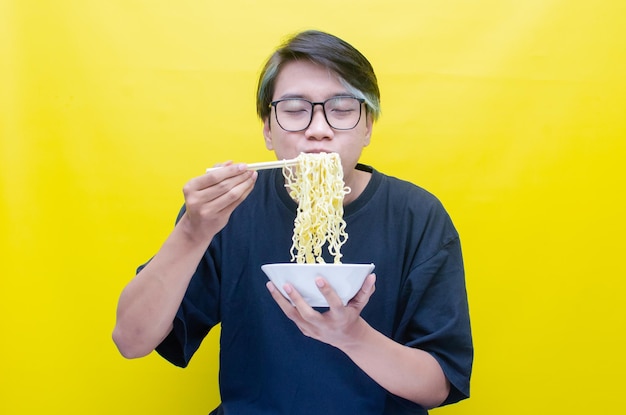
<point x="317" y="151"/>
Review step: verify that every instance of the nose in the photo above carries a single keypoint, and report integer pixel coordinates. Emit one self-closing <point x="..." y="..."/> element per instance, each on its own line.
<point x="319" y="129"/>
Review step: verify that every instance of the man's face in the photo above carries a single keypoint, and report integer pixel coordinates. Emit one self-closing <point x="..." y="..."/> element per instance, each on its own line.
<point x="304" y="79"/>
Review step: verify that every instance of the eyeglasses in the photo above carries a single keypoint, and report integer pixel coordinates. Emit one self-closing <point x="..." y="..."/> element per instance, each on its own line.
<point x="296" y="114"/>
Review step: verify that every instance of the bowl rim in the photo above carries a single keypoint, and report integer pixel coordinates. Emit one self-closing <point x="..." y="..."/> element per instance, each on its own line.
<point x="324" y="264"/>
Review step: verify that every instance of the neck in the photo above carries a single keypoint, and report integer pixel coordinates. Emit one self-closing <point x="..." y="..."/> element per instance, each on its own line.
<point x="357" y="182"/>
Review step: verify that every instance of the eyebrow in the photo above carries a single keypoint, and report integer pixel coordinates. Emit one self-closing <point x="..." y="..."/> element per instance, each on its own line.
<point x="300" y="96"/>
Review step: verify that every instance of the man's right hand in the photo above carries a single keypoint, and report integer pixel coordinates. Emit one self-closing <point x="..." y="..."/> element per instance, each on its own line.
<point x="210" y="199"/>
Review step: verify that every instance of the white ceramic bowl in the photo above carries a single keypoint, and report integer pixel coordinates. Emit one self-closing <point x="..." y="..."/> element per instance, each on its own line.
<point x="346" y="279"/>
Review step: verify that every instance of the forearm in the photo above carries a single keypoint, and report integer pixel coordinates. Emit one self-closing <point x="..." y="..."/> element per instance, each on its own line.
<point x="148" y="304"/>
<point x="410" y="373"/>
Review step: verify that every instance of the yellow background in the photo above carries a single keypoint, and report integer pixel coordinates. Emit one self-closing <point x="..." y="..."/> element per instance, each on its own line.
<point x="512" y="112"/>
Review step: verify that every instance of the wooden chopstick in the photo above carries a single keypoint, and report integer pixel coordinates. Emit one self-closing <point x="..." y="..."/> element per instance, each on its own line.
<point x="265" y="165"/>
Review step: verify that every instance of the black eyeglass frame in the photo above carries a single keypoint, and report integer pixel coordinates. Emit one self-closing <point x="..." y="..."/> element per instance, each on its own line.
<point x="313" y="104"/>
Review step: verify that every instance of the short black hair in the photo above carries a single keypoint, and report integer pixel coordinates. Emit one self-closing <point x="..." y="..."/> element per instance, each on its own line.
<point x="354" y="70"/>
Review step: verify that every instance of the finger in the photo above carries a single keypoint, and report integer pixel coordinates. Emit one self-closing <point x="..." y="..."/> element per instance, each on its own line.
<point x="289" y="309"/>
<point x="329" y="293"/>
<point x="224" y="164"/>
<point x="215" y="178"/>
<point x="238" y="192"/>
<point x="303" y="308"/>
<point x="218" y="175"/>
<point x="223" y="190"/>
<point x="367" y="289"/>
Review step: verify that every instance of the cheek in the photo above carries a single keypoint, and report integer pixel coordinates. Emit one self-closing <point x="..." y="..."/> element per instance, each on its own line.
<point x="361" y="139"/>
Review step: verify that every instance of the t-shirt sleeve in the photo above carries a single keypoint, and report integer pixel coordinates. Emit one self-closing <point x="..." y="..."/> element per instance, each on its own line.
<point x="197" y="314"/>
<point x="435" y="316"/>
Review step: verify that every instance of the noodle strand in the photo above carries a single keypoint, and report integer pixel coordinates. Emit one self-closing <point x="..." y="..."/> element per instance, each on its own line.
<point x="317" y="185"/>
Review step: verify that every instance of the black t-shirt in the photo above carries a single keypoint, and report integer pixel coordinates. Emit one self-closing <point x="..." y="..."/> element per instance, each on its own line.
<point x="267" y="366"/>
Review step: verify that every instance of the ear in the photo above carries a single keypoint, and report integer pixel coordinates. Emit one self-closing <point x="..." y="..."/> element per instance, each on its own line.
<point x="267" y="133"/>
<point x="369" y="124"/>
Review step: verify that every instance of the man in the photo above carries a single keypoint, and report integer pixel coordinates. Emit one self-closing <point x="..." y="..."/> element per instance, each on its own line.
<point x="401" y="345"/>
